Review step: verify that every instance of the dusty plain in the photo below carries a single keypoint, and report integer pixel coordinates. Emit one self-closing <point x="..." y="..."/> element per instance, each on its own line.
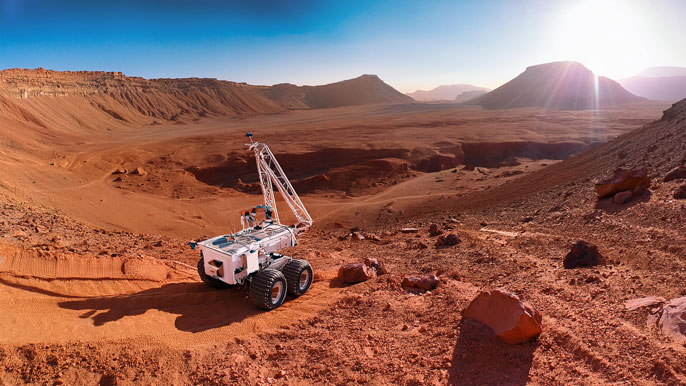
<point x="98" y="286"/>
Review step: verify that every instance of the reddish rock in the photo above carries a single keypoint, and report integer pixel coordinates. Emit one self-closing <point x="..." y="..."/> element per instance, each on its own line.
<point x="419" y="284"/>
<point x="139" y="172"/>
<point x="377" y="265"/>
<point x="357" y="236"/>
<point x="680" y="193"/>
<point x="671" y="319"/>
<point x="647" y="301"/>
<point x="434" y="231"/>
<point x="677" y="173"/>
<point x="120" y="171"/>
<point x="468" y="167"/>
<point x="419" y="245"/>
<point x="582" y="254"/>
<point x="355" y="273"/>
<point x="635" y="180"/>
<point x="449" y="240"/>
<point x="622" y="197"/>
<point x="512" y="320"/>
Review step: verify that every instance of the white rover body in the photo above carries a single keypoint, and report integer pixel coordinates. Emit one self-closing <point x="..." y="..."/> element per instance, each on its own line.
<point x="250" y="255"/>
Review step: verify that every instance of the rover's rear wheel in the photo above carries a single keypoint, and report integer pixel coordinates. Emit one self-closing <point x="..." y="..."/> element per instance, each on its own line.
<point x="268" y="289"/>
<point x="209" y="280"/>
<point x="298" y="275"/>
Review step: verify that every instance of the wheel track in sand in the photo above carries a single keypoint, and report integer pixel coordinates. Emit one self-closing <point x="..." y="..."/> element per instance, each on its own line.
<point x="56" y="301"/>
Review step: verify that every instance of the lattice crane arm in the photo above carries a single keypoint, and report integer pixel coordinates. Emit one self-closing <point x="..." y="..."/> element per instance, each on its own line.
<point x="271" y="174"/>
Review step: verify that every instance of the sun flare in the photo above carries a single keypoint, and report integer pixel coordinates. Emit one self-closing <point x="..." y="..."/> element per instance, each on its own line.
<point x="609" y="37"/>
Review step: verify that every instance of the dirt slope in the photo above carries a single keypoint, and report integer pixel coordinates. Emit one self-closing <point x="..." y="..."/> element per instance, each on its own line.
<point x="557" y="85"/>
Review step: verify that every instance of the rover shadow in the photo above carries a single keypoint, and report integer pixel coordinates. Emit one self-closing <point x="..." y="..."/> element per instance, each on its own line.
<point x="608" y="206"/>
<point x="481" y="358"/>
<point x="198" y="307"/>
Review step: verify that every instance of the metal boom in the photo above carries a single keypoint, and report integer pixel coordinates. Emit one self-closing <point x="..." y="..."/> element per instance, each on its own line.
<point x="271" y="174"/>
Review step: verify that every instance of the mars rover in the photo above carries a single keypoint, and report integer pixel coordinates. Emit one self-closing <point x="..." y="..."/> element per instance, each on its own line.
<point x="250" y="255"/>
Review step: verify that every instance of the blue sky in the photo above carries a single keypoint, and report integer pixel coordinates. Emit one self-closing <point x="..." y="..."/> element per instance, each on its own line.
<point x="409" y="44"/>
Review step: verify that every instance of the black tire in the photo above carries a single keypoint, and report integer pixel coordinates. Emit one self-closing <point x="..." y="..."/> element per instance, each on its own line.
<point x="298" y="275"/>
<point x="268" y="289"/>
<point x="210" y="281"/>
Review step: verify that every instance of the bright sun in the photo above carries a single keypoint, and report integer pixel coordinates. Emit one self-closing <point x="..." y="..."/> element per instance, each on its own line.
<point x="609" y="37"/>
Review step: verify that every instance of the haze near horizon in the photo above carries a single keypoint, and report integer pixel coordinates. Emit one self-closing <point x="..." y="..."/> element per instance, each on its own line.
<point x="410" y="46"/>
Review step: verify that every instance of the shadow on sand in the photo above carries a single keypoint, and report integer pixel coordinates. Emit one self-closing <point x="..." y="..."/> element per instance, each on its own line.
<point x="608" y="206"/>
<point x="481" y="358"/>
<point x="198" y="307"/>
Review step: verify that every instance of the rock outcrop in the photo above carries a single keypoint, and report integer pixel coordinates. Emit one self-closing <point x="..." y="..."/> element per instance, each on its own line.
<point x="635" y="180"/>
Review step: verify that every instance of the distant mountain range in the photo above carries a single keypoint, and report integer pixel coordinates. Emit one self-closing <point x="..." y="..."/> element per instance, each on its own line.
<point x="96" y="96"/>
<point x="557" y="85"/>
<point x="444" y="93"/>
<point x="658" y="83"/>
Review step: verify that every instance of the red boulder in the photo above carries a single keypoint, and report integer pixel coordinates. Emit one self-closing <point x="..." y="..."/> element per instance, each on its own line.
<point x="512" y="320"/>
<point x="449" y="239"/>
<point x="420" y="284"/>
<point x="355" y="273"/>
<point x="635" y="180"/>
<point x="582" y="254"/>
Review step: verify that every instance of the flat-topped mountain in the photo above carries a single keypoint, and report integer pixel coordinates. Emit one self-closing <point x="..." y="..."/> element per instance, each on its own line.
<point x="557" y="85"/>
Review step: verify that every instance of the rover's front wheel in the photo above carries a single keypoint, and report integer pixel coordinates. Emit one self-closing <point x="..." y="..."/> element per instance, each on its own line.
<point x="268" y="289"/>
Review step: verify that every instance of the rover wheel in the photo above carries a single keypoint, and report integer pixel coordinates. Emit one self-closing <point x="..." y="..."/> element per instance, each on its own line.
<point x="298" y="275"/>
<point x="210" y="281"/>
<point x="268" y="289"/>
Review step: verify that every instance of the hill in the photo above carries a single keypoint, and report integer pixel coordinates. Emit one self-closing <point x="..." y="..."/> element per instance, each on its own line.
<point x="469" y="95"/>
<point x="658" y="83"/>
<point x="662" y="71"/>
<point x="444" y="93"/>
<point x="92" y="99"/>
<point x="557" y="85"/>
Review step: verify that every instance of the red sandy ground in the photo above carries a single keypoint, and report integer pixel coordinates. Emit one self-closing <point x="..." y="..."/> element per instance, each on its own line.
<point x="97" y="285"/>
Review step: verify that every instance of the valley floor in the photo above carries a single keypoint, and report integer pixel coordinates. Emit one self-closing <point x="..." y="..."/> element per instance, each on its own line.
<point x="98" y="286"/>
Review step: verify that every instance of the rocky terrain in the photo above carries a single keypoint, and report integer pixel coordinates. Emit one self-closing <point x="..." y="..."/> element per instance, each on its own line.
<point x="434" y="206"/>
